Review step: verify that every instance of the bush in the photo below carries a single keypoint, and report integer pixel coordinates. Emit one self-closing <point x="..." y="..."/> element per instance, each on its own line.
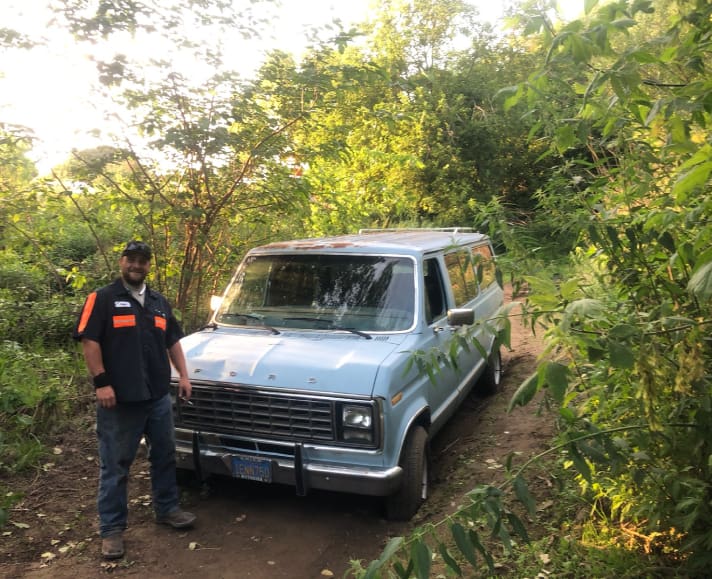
<point x="24" y="282"/>
<point x="36" y="395"/>
<point x="45" y="323"/>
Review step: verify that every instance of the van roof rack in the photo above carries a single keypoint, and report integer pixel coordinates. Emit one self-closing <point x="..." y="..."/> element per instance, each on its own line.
<point x="405" y="229"/>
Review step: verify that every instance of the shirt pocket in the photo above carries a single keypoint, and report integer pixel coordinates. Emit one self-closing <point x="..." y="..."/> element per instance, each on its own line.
<point x="124" y="321"/>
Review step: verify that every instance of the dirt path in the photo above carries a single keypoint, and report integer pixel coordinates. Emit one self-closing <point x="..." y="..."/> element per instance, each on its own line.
<point x="250" y="530"/>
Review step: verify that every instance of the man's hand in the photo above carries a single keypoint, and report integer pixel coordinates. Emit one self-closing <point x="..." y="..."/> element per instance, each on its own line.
<point x="175" y="352"/>
<point x="106" y="397"/>
<point x="184" y="388"/>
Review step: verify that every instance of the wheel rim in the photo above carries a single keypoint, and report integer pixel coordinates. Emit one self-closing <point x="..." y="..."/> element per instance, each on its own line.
<point x="497" y="368"/>
<point x="424" y="482"/>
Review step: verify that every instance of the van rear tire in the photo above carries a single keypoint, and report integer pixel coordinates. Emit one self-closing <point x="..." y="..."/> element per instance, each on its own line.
<point x="491" y="381"/>
<point x="405" y="502"/>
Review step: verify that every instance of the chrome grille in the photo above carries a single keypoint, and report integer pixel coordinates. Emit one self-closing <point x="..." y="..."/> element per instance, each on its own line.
<point x="239" y="410"/>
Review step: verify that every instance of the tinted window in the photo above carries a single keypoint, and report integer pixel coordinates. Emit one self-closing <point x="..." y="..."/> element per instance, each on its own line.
<point x="484" y="265"/>
<point x="434" y="294"/>
<point x="462" y="276"/>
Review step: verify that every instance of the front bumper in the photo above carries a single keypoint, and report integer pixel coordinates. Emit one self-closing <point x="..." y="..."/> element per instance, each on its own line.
<point x="287" y="465"/>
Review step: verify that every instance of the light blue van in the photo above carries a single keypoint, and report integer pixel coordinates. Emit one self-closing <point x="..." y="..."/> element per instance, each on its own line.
<point x="308" y="372"/>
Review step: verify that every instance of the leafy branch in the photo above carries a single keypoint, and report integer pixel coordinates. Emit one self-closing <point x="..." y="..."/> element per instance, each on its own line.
<point x="413" y="556"/>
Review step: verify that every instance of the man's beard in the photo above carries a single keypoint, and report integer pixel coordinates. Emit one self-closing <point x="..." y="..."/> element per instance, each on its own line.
<point x="129" y="281"/>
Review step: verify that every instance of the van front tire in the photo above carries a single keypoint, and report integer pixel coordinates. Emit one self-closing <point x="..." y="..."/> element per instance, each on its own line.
<point x="405" y="502"/>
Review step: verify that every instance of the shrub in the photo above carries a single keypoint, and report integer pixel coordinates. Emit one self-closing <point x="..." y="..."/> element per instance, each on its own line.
<point x="36" y="394"/>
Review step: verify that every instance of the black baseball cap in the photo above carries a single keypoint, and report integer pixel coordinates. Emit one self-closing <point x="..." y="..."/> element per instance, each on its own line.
<point x="137" y="247"/>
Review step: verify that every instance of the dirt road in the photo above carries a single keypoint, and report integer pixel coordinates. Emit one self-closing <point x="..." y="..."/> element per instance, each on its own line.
<point x="249" y="530"/>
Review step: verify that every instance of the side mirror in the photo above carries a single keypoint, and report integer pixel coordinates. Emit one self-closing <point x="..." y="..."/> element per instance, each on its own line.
<point x="215" y="302"/>
<point x="461" y="317"/>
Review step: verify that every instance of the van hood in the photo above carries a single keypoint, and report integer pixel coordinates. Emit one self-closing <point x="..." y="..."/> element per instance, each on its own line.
<point x="314" y="361"/>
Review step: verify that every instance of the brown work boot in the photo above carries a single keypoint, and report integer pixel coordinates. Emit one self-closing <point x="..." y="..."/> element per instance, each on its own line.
<point x="177" y="519"/>
<point x="112" y="547"/>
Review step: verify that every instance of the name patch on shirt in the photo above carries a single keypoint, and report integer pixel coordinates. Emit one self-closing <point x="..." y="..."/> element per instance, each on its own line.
<point x="122" y="304"/>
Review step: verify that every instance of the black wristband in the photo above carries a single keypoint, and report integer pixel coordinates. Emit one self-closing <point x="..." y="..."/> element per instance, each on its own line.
<point x="101" y="380"/>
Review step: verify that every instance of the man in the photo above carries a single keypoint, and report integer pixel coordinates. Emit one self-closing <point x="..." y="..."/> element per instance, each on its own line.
<point x="129" y="338"/>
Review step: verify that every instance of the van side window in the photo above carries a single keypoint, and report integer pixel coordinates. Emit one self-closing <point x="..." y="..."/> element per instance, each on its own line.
<point x="434" y="294"/>
<point x="462" y="276"/>
<point x="484" y="264"/>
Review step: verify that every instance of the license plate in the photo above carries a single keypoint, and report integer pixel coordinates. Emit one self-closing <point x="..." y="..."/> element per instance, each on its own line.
<point x="252" y="468"/>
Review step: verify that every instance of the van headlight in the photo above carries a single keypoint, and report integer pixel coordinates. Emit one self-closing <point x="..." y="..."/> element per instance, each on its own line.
<point x="357" y="423"/>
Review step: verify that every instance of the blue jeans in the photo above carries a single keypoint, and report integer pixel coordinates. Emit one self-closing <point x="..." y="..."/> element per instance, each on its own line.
<point x="119" y="430"/>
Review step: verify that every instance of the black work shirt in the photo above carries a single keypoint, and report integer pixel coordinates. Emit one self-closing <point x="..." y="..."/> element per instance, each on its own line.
<point x="134" y="339"/>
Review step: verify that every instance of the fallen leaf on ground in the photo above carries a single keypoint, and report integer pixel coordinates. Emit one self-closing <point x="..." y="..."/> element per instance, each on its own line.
<point x="21" y="525"/>
<point x="109" y="566"/>
<point x="545" y="505"/>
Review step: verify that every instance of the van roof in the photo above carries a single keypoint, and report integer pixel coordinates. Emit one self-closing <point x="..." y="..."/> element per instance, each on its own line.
<point x="381" y="241"/>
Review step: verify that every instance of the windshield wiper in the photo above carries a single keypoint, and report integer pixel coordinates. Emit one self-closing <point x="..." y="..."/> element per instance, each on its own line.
<point x="331" y="326"/>
<point x="353" y="331"/>
<point x="251" y="317"/>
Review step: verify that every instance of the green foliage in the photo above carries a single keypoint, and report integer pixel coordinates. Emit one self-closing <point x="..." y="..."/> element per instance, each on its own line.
<point x="593" y="549"/>
<point x="463" y="552"/>
<point x="38" y="322"/>
<point x="600" y="144"/>
<point x="487" y="536"/>
<point x="632" y="365"/>
<point x="17" y="169"/>
<point x="403" y="130"/>
<point x="30" y="312"/>
<point x="628" y="361"/>
<point x="26" y="281"/>
<point x="36" y="391"/>
<point x="40" y="391"/>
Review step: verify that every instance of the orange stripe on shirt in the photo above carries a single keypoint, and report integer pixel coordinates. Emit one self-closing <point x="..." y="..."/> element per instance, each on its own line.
<point x="124" y="321"/>
<point x="160" y="322"/>
<point x="86" y="312"/>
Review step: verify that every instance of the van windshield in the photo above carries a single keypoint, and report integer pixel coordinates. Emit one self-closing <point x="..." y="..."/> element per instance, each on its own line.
<point x="322" y="291"/>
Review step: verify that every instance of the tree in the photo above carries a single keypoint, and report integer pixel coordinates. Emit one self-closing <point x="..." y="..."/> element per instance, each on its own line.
<point x="208" y="162"/>
<point x="422" y="136"/>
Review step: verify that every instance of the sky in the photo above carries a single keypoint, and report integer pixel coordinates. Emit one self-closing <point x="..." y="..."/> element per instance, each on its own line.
<point x="48" y="89"/>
